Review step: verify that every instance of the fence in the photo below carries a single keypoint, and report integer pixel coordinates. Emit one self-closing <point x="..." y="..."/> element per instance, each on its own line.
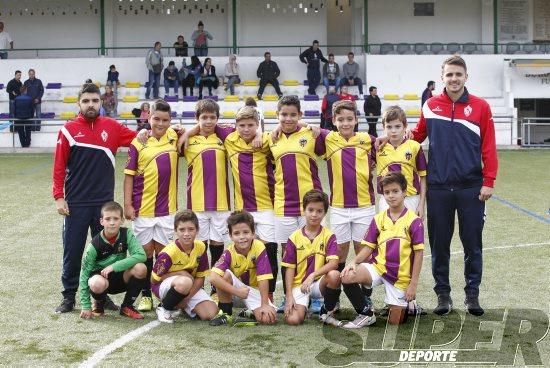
<point x="535" y="132"/>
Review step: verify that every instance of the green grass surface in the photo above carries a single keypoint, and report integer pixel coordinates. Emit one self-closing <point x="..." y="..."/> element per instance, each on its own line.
<point x="31" y="251"/>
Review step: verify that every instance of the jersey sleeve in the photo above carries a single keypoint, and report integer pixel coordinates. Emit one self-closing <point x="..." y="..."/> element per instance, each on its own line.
<point x="320" y="142"/>
<point x="488" y="148"/>
<point x="125" y="136"/>
<point x="421" y="164"/>
<point x="222" y="131"/>
<point x="223" y="264"/>
<point x="136" y="254"/>
<point x="61" y="157"/>
<point x="88" y="266"/>
<point x="371" y="238"/>
<point x="289" y="257"/>
<point x="132" y="161"/>
<point x="203" y="269"/>
<point x="263" y="267"/>
<point x="332" y="249"/>
<point x="416" y="231"/>
<point x="161" y="267"/>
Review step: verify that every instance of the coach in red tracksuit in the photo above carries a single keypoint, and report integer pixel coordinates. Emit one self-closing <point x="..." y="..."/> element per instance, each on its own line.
<point x="83" y="180"/>
<point x="462" y="136"/>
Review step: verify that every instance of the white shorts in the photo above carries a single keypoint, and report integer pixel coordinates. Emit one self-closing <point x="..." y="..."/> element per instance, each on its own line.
<point x="213" y="226"/>
<point x="350" y="223"/>
<point x="303" y="299"/>
<point x="394" y="296"/>
<point x="286" y="225"/>
<point x="199" y="297"/>
<point x="264" y="221"/>
<point x="411" y="203"/>
<point x="254" y="299"/>
<point x="159" y="229"/>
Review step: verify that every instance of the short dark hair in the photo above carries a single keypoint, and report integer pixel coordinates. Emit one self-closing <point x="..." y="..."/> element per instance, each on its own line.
<point x="344" y="105"/>
<point x="23" y="89"/>
<point x="240" y="217"/>
<point x="88" y="88"/>
<point x="372" y="88"/>
<point x="157" y="43"/>
<point x="112" y="66"/>
<point x="160" y="105"/>
<point x="200" y="23"/>
<point x="186" y="216"/>
<point x="331" y="54"/>
<point x="454" y="60"/>
<point x="351" y="53"/>
<point x="207" y="105"/>
<point x="32" y="70"/>
<point x="290" y="100"/>
<point x="431" y="83"/>
<point x="17" y="71"/>
<point x="394" y="113"/>
<point x="315" y="42"/>
<point x="171" y="63"/>
<point x="112" y="206"/>
<point x="394" y="177"/>
<point x="315" y="196"/>
<point x="250" y="101"/>
<point x="267" y="53"/>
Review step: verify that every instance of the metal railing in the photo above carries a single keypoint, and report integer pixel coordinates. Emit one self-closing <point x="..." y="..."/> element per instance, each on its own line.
<point x="530" y="138"/>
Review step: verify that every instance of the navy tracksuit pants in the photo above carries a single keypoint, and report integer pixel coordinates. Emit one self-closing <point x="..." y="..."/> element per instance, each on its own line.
<point x="442" y="206"/>
<point x="313" y="80"/>
<point x="75" y="233"/>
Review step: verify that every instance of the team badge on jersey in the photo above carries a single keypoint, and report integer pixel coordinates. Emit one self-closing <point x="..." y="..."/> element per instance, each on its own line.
<point x="362" y="142"/>
<point x="120" y="248"/>
<point x="220" y="143"/>
<point x="468" y="110"/>
<point x="322" y="246"/>
<point x="303" y="142"/>
<point x="408" y="155"/>
<point x="104" y="136"/>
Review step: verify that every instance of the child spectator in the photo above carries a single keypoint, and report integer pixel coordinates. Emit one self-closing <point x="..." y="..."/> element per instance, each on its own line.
<point x="208" y="77"/>
<point x="143" y="116"/>
<point x="150" y="189"/>
<point x="398" y="232"/>
<point x="326" y="108"/>
<point x="171" y="78"/>
<point x="112" y="264"/>
<point x="232" y="74"/>
<point x="311" y="261"/>
<point x="243" y="272"/>
<point x="112" y="78"/>
<point x="179" y="272"/>
<point x="109" y="102"/>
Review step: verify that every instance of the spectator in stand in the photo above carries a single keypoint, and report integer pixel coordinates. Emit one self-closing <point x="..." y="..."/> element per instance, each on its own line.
<point x="6" y="42"/>
<point x="331" y="73"/>
<point x="232" y="74"/>
<point x="109" y="102"/>
<point x="142" y="114"/>
<point x="326" y="108"/>
<point x="372" y="107"/>
<point x="250" y="101"/>
<point x="312" y="58"/>
<point x="350" y="75"/>
<point x="14" y="89"/>
<point x="208" y="77"/>
<point x="268" y="72"/>
<point x="171" y="78"/>
<point x="35" y="90"/>
<point x="427" y="92"/>
<point x="155" y="64"/>
<point x="200" y="39"/>
<point x="345" y="95"/>
<point x="112" y="78"/>
<point x="23" y="109"/>
<point x="190" y="74"/>
<point x="181" y="46"/>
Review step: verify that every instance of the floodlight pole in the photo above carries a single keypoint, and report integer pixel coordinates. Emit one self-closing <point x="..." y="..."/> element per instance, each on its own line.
<point x="102" y="24"/>
<point x="495" y="27"/>
<point x="366" y="25"/>
<point x="234" y="11"/>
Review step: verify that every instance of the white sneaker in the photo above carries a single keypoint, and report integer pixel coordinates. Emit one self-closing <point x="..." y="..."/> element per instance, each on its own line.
<point x="360" y="321"/>
<point x="329" y="319"/>
<point x="175" y="313"/>
<point x="164" y="315"/>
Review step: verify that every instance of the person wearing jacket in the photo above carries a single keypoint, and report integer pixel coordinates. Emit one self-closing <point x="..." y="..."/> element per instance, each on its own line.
<point x="372" y="107"/>
<point x="462" y="169"/>
<point x="35" y="89"/>
<point x="312" y="58"/>
<point x="14" y="89"/>
<point x="190" y="74"/>
<point x="200" y="39"/>
<point x="208" y="77"/>
<point x="23" y="111"/>
<point x="232" y="71"/>
<point x="171" y="78"/>
<point x="268" y="72"/>
<point x="331" y="73"/>
<point x="155" y="63"/>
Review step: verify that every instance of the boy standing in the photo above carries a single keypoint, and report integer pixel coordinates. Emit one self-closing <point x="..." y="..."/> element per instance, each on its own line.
<point x="108" y="269"/>
<point x="396" y="240"/>
<point x="243" y="272"/>
<point x="179" y="272"/>
<point x="311" y="261"/>
<point x="150" y="189"/>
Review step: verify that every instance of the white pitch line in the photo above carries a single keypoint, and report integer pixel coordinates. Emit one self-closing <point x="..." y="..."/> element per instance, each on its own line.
<point x="125" y="339"/>
<point x="118" y="343"/>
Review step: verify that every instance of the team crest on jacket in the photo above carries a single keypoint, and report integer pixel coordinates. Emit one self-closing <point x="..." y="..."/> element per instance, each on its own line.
<point x="303" y="142"/>
<point x="468" y="110"/>
<point x="104" y="136"/>
<point x="408" y="155"/>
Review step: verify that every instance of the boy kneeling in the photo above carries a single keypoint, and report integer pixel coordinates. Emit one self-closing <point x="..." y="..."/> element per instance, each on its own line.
<point x="396" y="237"/>
<point x="108" y="269"/>
<point x="243" y="272"/>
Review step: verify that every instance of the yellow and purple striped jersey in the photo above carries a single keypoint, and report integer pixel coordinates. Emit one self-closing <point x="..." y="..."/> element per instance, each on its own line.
<point x="296" y="170"/>
<point x="252" y="171"/>
<point x="408" y="158"/>
<point x="306" y="255"/>
<point x="249" y="268"/>
<point x="349" y="163"/>
<point x="394" y="244"/>
<point x="154" y="167"/>
<point x="207" y="187"/>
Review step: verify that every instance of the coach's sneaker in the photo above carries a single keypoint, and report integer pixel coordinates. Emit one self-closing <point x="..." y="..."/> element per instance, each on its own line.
<point x="472" y="304"/>
<point x="315" y="306"/>
<point x="444" y="304"/>
<point x="221" y="319"/>
<point x="98" y="308"/>
<point x="130" y="311"/>
<point x="328" y="319"/>
<point x="145" y="304"/>
<point x="360" y="321"/>
<point x="110" y="305"/>
<point x="164" y="315"/>
<point x="282" y="306"/>
<point x="67" y="305"/>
